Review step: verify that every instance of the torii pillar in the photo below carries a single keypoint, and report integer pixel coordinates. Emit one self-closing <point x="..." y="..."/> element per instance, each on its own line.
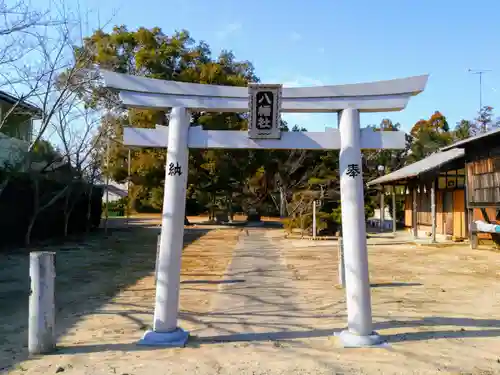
<point x="357" y="285"/>
<point x="346" y="100"/>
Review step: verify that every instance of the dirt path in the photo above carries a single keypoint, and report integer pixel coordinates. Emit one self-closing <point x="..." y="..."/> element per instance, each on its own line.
<point x="257" y="299"/>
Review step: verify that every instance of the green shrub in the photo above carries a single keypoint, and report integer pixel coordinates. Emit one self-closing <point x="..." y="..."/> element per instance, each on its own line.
<point x="116" y="208"/>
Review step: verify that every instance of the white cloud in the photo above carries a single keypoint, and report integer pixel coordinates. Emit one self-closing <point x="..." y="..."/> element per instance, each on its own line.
<point x="229" y="29"/>
<point x="302" y="81"/>
<point x="295" y="36"/>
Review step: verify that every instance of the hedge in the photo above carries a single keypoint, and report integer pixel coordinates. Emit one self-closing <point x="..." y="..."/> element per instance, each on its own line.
<point x="17" y="206"/>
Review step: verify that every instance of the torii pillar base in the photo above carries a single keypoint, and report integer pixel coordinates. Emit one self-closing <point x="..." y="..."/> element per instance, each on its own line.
<point x="350" y="339"/>
<point x="174" y="339"/>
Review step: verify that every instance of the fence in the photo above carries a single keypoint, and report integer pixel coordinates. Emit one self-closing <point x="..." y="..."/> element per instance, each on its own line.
<point x="18" y="202"/>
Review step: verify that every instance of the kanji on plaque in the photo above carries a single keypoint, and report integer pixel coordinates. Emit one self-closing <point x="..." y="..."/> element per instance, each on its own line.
<point x="353" y="170"/>
<point x="174" y="169"/>
<point x="265" y="106"/>
<point x="264" y="110"/>
<point x="264" y="123"/>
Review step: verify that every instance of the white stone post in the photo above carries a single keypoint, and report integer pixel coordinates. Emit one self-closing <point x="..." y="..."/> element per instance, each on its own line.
<point x="314" y="219"/>
<point x="382" y="208"/>
<point x="414" y="216"/>
<point x="433" y="210"/>
<point x="358" y="300"/>
<point x="41" y="327"/>
<point x="341" y="264"/>
<point x="394" y="223"/>
<point x="165" y="330"/>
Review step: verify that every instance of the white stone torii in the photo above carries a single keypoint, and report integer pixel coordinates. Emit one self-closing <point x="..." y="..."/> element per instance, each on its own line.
<point x="346" y="100"/>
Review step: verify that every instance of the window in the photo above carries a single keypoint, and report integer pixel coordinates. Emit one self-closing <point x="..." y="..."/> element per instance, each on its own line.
<point x="452" y="180"/>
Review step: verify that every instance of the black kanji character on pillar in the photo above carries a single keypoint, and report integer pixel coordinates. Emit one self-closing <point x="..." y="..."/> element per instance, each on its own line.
<point x="353" y="170"/>
<point x="174" y="169"/>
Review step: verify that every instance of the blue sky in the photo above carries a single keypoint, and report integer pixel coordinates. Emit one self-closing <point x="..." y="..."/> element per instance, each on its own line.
<point x="304" y="43"/>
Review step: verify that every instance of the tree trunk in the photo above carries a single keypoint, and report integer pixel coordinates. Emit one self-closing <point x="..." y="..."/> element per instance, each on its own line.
<point x="4" y="184"/>
<point x="212" y="208"/>
<point x="302" y="223"/>
<point x="89" y="208"/>
<point x="284" y="212"/>
<point x="66" y="222"/>
<point x="229" y="205"/>
<point x="67" y="212"/>
<point x="37" y="209"/>
<point x="27" y="237"/>
<point x="36" y="203"/>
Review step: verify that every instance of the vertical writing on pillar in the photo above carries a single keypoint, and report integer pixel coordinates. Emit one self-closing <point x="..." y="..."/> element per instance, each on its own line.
<point x="353" y="170"/>
<point x="174" y="169"/>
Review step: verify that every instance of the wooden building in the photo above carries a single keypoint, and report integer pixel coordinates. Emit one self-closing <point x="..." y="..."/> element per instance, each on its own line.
<point x="434" y="194"/>
<point x="450" y="190"/>
<point x="482" y="163"/>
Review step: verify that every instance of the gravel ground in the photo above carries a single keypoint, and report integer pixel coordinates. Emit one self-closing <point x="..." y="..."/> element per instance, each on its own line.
<point x="265" y="305"/>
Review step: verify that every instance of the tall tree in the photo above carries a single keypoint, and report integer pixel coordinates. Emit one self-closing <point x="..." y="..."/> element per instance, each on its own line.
<point x="484" y="121"/>
<point x="428" y="136"/>
<point x="151" y="53"/>
<point x="463" y="130"/>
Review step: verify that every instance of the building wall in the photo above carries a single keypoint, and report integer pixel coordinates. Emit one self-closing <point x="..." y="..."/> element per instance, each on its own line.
<point x="483" y="181"/>
<point x="12" y="151"/>
<point x="408" y="211"/>
<point x="450" y="216"/>
<point x="16" y="125"/>
<point x="459" y="220"/>
<point x="440" y="216"/>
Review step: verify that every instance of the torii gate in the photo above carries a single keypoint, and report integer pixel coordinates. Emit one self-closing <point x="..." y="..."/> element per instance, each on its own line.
<point x="346" y="100"/>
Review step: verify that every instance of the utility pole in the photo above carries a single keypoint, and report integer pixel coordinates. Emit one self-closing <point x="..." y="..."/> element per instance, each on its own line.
<point x="315" y="204"/>
<point x="381" y="169"/>
<point x="128" y="187"/>
<point x="480" y="72"/>
<point x="107" y="186"/>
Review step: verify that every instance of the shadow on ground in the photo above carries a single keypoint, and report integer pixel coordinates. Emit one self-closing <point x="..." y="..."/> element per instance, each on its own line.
<point x="257" y="318"/>
<point x="461" y="328"/>
<point x="195" y="341"/>
<point x="267" y="312"/>
<point x="393" y="285"/>
<point x="474" y="329"/>
<point x="249" y="224"/>
<point x="217" y="282"/>
<point x="90" y="273"/>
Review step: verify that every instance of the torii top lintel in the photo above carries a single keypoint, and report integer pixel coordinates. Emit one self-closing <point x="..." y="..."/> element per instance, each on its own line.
<point x="380" y="96"/>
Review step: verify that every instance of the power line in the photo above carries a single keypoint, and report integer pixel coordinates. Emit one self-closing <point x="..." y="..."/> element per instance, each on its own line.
<point x="480" y="72"/>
